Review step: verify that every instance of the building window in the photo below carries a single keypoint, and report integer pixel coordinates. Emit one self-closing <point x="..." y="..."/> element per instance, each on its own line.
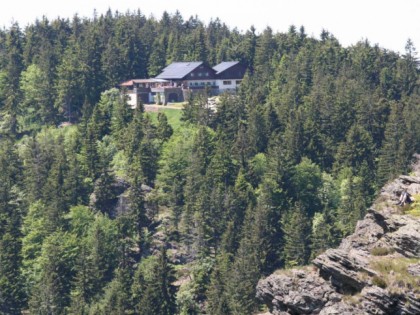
<point x="202" y="83"/>
<point x="227" y="82"/>
<point x="195" y="83"/>
<point x="192" y="74"/>
<point x="200" y="74"/>
<point x="238" y="82"/>
<point x="207" y="74"/>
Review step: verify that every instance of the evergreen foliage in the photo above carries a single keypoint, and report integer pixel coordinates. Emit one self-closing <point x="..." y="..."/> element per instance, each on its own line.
<point x="106" y="211"/>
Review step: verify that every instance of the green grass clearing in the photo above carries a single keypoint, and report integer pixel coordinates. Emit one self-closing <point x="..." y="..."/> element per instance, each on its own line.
<point x="174" y="116"/>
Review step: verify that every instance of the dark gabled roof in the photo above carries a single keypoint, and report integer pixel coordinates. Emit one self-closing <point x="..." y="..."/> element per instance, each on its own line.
<point x="224" y="66"/>
<point x="178" y="70"/>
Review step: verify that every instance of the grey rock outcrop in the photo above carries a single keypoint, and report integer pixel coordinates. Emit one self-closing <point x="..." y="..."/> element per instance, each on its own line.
<point x="347" y="280"/>
<point x="300" y="292"/>
<point x="115" y="202"/>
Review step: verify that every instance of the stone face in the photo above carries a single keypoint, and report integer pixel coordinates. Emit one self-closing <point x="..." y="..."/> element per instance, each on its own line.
<point x="368" y="232"/>
<point x="410" y="305"/>
<point x="297" y="293"/>
<point x="340" y="308"/>
<point x="342" y="268"/>
<point x="414" y="270"/>
<point x="406" y="238"/>
<point x="378" y="301"/>
<point x="344" y="281"/>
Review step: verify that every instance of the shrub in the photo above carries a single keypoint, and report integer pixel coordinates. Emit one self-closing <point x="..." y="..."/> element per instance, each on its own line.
<point x="394" y="272"/>
<point x="379" y="282"/>
<point x="381" y="251"/>
<point x="414" y="208"/>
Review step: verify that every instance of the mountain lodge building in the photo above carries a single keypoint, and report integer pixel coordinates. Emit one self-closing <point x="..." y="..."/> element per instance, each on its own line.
<point x="179" y="79"/>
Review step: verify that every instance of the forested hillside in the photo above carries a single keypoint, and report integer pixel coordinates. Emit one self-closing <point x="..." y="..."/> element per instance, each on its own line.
<point x="117" y="213"/>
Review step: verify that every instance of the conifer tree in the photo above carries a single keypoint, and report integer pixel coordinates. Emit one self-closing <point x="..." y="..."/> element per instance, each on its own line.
<point x="230" y="112"/>
<point x="157" y="294"/>
<point x="408" y="69"/>
<point x="54" y="190"/>
<point x="352" y="205"/>
<point x="164" y="129"/>
<point x="12" y="298"/>
<point x="104" y="192"/>
<point x="257" y="129"/>
<point x="36" y="108"/>
<point x="13" y="68"/>
<point x="242" y="197"/>
<point x="391" y="157"/>
<point x="217" y="293"/>
<point x="70" y="85"/>
<point x="221" y="169"/>
<point x="356" y="150"/>
<point x="102" y="242"/>
<point x="51" y="295"/>
<point x="148" y="153"/>
<point x="245" y="270"/>
<point x="296" y="228"/>
<point x="117" y="299"/>
<point x="195" y="180"/>
<point x="157" y="58"/>
<point x="121" y="114"/>
<point x="82" y="284"/>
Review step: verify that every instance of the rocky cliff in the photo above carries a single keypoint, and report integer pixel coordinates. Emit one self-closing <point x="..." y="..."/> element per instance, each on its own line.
<point x="376" y="270"/>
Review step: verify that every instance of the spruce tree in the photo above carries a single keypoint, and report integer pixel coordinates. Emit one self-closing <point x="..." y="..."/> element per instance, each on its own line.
<point x="296" y="228"/>
<point x="148" y="153"/>
<point x="12" y="298"/>
<point x="392" y="158"/>
<point x="54" y="190"/>
<point x="217" y="293"/>
<point x="13" y="68"/>
<point x="51" y="294"/>
<point x="164" y="129"/>
<point x="157" y="294"/>
<point x="245" y="270"/>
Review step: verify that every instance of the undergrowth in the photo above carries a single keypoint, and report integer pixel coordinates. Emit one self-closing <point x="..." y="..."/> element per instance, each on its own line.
<point x="393" y="274"/>
<point x="382" y="251"/>
<point x="414" y="207"/>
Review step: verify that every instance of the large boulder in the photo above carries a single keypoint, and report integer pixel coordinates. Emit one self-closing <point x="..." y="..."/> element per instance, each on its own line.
<point x="297" y="292"/>
<point x="343" y="269"/>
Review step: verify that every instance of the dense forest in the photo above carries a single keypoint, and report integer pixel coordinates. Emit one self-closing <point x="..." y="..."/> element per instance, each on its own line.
<point x="107" y="210"/>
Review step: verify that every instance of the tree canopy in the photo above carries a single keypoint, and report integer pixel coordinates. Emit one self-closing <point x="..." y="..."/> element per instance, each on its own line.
<point x="117" y="212"/>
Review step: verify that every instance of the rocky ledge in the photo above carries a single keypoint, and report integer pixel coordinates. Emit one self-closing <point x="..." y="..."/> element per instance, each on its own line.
<point x="376" y="270"/>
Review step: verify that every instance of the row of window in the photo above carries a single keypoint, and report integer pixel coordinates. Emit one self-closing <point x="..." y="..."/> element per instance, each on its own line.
<point x="228" y="82"/>
<point x="202" y="83"/>
<point x="206" y="74"/>
<point x="200" y="74"/>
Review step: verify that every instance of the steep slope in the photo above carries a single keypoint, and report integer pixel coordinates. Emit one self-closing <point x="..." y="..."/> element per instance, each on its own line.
<point x="376" y="270"/>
